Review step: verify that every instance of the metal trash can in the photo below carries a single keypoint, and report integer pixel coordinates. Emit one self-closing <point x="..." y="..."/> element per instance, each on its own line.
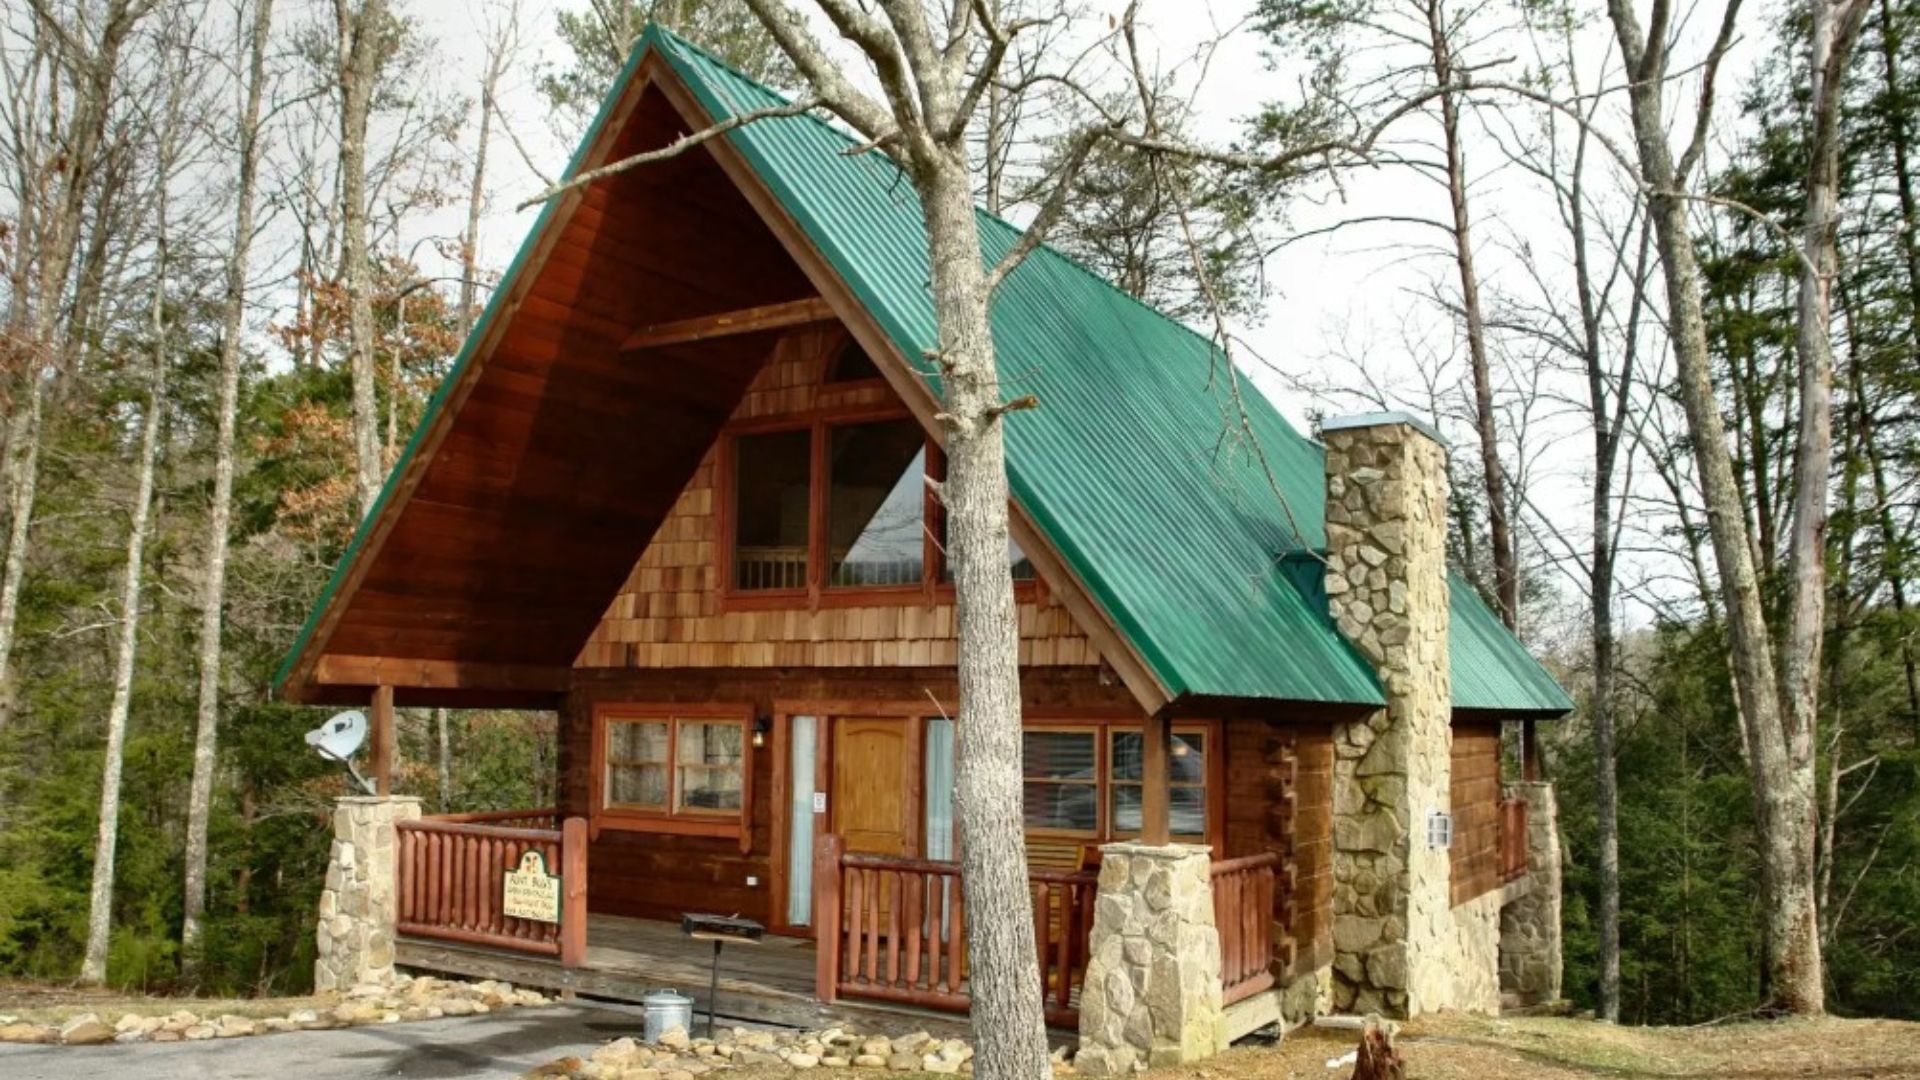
<point x="666" y="1010"/>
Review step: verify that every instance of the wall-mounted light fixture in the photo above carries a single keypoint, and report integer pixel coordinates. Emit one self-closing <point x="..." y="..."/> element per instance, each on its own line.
<point x="761" y="725"/>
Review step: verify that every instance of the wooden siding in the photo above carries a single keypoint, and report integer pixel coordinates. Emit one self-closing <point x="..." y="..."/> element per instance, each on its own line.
<point x="1475" y="855"/>
<point x="1280" y="798"/>
<point x="659" y="875"/>
<point x="671" y="613"/>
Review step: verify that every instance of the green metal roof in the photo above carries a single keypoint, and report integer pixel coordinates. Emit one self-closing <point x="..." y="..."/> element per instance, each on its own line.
<point x="1133" y="466"/>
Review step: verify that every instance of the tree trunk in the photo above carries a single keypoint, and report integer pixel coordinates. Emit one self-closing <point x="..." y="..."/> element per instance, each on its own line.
<point x="220" y="514"/>
<point x="58" y="242"/>
<point x="1010" y="1034"/>
<point x="361" y="40"/>
<point x="445" y="759"/>
<point x="93" y="967"/>
<point x="1778" y="748"/>
<point x="1506" y="571"/>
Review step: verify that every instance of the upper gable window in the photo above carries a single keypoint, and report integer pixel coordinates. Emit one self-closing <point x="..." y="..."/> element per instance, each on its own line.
<point x="876" y="504"/>
<point x="836" y="506"/>
<point x="772" y="480"/>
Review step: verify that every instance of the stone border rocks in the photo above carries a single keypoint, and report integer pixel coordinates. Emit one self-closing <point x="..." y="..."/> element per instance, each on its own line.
<point x="403" y="999"/>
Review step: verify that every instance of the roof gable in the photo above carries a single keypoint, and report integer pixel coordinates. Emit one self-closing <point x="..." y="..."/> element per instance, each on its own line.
<point x="1176" y="496"/>
<point x="1170" y="484"/>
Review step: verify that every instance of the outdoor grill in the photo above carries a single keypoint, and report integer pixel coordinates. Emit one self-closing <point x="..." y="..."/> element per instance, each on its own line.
<point x="720" y="929"/>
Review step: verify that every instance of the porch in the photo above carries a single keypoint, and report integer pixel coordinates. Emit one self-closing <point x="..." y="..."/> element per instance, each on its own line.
<point x="899" y="951"/>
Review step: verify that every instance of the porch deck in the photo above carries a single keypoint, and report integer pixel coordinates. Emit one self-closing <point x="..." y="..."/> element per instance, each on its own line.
<point x="769" y="983"/>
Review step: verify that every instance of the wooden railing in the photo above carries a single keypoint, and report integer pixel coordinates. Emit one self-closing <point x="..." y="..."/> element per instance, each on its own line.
<point x="1243" y="913"/>
<point x="451" y="881"/>
<point x="1513" y="839"/>
<point x="895" y="929"/>
<point x="545" y="818"/>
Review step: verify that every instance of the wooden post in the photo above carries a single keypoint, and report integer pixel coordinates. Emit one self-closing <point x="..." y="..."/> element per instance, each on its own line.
<point x="383" y="740"/>
<point x="1529" y="752"/>
<point x="1155" y="824"/>
<point x="573" y="900"/>
<point x="827" y="935"/>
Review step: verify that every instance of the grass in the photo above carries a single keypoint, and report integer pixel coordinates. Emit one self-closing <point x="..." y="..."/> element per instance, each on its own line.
<point x="45" y="1003"/>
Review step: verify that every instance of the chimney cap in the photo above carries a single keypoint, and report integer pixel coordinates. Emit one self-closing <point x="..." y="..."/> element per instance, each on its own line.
<point x="1382" y="419"/>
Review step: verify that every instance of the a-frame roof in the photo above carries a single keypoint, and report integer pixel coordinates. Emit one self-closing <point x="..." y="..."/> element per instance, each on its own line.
<point x="1185" y="527"/>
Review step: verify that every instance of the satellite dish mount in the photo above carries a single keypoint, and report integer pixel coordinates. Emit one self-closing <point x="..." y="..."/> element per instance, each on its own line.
<point x="339" y="739"/>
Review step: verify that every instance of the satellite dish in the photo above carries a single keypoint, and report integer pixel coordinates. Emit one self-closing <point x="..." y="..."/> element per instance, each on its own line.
<point x="339" y="739"/>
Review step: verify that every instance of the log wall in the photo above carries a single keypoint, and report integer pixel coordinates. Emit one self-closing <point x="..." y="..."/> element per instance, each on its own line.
<point x="1280" y="799"/>
<point x="1475" y="857"/>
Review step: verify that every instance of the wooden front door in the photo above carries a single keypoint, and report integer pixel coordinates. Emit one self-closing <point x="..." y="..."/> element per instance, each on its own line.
<point x="872" y="798"/>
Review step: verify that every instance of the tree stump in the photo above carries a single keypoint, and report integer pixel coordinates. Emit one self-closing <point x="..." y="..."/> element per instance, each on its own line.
<point x="1376" y="1058"/>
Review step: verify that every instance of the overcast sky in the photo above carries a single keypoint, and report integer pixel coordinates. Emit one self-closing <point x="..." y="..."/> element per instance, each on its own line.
<point x="1359" y="298"/>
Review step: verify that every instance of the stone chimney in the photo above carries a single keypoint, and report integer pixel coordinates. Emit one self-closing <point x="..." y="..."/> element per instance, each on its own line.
<point x="1398" y="950"/>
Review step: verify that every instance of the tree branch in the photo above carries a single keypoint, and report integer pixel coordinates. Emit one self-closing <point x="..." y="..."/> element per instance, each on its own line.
<point x="674" y="149"/>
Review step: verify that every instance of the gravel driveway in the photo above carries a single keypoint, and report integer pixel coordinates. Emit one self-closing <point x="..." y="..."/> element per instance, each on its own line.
<point x="500" y="1044"/>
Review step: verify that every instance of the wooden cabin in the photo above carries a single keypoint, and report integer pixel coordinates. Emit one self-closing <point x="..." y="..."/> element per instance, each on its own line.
<point x="675" y="489"/>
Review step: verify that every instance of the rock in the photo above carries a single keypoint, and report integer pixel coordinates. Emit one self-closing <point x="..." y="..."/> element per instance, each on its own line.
<point x="562" y="1067"/>
<point x="367" y="991"/>
<point x="934" y="1063"/>
<point x="678" y="1074"/>
<point x="356" y="1012"/>
<point x="869" y="1061"/>
<point x="957" y="1050"/>
<point x="129" y="1022"/>
<point x="456" y="1006"/>
<point x="200" y="1032"/>
<point x="619" y="1050"/>
<point x="877" y="1047"/>
<point x="912" y="1044"/>
<point x="757" y="1040"/>
<point x="130" y="1037"/>
<point x="86" y="1030"/>
<point x="17" y="1032"/>
<point x="230" y="1027"/>
<point x="279" y="1023"/>
<point x="165" y="1035"/>
<point x="834" y="1061"/>
<point x="754" y="1057"/>
<point x="803" y="1061"/>
<point x="675" y="1039"/>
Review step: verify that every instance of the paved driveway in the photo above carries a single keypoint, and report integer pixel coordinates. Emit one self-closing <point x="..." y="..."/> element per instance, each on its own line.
<point x="501" y="1044"/>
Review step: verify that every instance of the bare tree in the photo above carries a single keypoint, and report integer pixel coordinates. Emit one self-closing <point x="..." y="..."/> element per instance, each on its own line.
<point x="84" y="62"/>
<point x="220" y="512"/>
<point x="364" y="38"/>
<point x="1776" y="678"/>
<point x="167" y="138"/>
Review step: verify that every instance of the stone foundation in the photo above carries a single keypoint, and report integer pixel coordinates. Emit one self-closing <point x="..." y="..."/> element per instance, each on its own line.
<point x="1530" y="925"/>
<point x="1151" y="995"/>
<point x="359" y="907"/>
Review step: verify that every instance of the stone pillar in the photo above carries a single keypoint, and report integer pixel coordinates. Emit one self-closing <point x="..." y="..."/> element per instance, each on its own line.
<point x="1152" y="993"/>
<point x="360" y="905"/>
<point x="1530" y="922"/>
<point x="1386" y="582"/>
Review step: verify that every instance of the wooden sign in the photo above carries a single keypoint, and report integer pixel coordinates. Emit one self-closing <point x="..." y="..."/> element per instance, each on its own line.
<point x="530" y="892"/>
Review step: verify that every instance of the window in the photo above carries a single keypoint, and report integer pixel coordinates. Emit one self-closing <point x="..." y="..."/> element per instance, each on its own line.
<point x="1062" y="780"/>
<point x="1186" y="783"/>
<point x="666" y="772"/>
<point x="1087" y="780"/>
<point x="771" y="510"/>
<point x="876" y="504"/>
<point x="637" y="764"/>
